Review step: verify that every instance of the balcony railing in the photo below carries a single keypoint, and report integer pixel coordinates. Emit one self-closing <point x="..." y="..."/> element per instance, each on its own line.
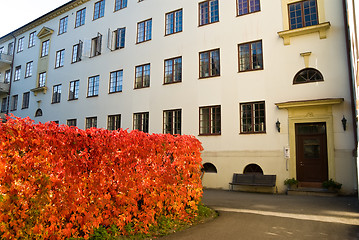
<point x="4" y="87"/>
<point x="5" y="60"/>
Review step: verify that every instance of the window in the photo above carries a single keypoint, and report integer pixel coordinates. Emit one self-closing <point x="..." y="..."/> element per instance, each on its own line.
<point x="119" y="38"/>
<point x="32" y="39"/>
<point x="308" y="75"/>
<point x="119" y="4"/>
<point x="208" y="12"/>
<point x="71" y="122"/>
<point x="142" y="76"/>
<point x="45" y="48"/>
<point x="99" y="10"/>
<point x="96" y="44"/>
<point x="253" y="117"/>
<point x="17" y="73"/>
<point x="116" y="81"/>
<point x="7" y="76"/>
<point x="14" y="102"/>
<point x="174" y="22"/>
<point x="173" y="70"/>
<point x="2" y="50"/>
<point x="80" y="17"/>
<point x="93" y="86"/>
<point x="303" y="14"/>
<point x="77" y="52"/>
<point x="56" y="94"/>
<point x="10" y="48"/>
<point x="250" y="56"/>
<point x="210" y="120"/>
<point x="141" y="121"/>
<point x="38" y="112"/>
<point x="20" y="45"/>
<point x="144" y="31"/>
<point x="253" y="169"/>
<point x="4" y="105"/>
<point x="91" y="122"/>
<point x="60" y="58"/>
<point x="74" y="90"/>
<point x="209" y="64"/>
<point x="63" y="25"/>
<point x="247" y="6"/>
<point x="28" y="71"/>
<point x="114" y="122"/>
<point x="172" y="121"/>
<point x="25" y="100"/>
<point x="42" y="79"/>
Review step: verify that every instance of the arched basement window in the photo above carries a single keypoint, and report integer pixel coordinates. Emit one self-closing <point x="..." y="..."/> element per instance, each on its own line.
<point x="209" y="168"/>
<point x="253" y="169"/>
<point x="308" y="75"/>
<point x="38" y="112"/>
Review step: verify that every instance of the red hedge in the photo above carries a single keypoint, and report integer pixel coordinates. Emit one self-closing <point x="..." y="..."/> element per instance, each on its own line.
<point x="60" y="181"/>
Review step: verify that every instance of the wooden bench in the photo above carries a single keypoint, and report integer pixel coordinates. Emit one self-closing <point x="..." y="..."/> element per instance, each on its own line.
<point x="253" y="180"/>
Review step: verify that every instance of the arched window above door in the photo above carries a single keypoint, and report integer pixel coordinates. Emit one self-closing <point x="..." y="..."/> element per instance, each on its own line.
<point x="308" y="75"/>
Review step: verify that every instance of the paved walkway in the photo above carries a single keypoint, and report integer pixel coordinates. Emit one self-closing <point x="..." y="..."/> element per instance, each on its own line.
<point x="265" y="216"/>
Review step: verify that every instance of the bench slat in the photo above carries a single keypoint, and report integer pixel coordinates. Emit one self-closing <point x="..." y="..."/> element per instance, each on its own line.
<point x="253" y="180"/>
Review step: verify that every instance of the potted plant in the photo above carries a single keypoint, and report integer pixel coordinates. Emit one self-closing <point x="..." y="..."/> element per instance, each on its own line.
<point x="291" y="183"/>
<point x="332" y="185"/>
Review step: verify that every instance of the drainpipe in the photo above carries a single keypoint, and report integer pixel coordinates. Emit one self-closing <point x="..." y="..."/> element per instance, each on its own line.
<point x="11" y="73"/>
<point x="351" y="82"/>
<point x="350" y="71"/>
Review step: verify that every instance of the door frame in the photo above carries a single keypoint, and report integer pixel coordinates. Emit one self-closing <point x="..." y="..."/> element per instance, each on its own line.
<point x="311" y="111"/>
<point x="324" y="154"/>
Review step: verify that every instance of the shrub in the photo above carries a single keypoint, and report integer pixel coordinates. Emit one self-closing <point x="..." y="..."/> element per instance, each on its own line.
<point x="59" y="182"/>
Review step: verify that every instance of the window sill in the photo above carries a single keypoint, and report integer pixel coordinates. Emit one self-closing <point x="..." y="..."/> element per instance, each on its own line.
<point x="209" y="134"/>
<point x="251" y="133"/>
<point x="320" y="28"/>
<point x="39" y="90"/>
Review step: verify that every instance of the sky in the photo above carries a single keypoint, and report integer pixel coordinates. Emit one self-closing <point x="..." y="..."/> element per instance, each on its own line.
<point x="17" y="13"/>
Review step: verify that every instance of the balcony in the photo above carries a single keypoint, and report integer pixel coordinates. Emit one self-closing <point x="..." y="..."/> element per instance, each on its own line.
<point x="4" y="87"/>
<point x="5" y="60"/>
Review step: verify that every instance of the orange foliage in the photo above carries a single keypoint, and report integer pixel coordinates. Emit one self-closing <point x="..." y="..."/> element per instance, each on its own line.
<point x="58" y="181"/>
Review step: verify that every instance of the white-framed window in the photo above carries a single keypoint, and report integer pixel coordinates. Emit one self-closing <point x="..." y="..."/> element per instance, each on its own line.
<point x="7" y="76"/>
<point x="208" y="12"/>
<point x="74" y="90"/>
<point x="172" y="121"/>
<point x="96" y="45"/>
<point x="14" y="100"/>
<point x="99" y="9"/>
<point x="91" y="122"/>
<point x="25" y="100"/>
<point x="45" y="48"/>
<point x="93" y="86"/>
<point x="144" y="31"/>
<point x="28" y="70"/>
<point x="31" y="39"/>
<point x="116" y="79"/>
<point x="60" y="58"/>
<point x="77" y="52"/>
<point x="173" y="70"/>
<point x="42" y="79"/>
<point x="141" y="121"/>
<point x="17" y="73"/>
<point x="71" y="122"/>
<point x="174" y="22"/>
<point x="80" y="17"/>
<point x="119" y="4"/>
<point x="56" y="94"/>
<point x="114" y="122"/>
<point x="63" y="25"/>
<point x="20" y="44"/>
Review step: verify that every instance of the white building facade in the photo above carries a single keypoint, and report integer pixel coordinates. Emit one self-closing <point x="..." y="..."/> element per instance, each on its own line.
<point x="264" y="85"/>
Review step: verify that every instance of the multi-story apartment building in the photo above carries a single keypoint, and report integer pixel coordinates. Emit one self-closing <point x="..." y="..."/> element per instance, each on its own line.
<point x="264" y="85"/>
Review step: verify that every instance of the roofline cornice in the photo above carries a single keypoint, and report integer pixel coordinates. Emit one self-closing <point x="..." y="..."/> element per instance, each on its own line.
<point x="43" y="19"/>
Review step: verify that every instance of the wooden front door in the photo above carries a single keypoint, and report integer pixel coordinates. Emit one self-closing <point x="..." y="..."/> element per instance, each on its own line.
<point x="311" y="152"/>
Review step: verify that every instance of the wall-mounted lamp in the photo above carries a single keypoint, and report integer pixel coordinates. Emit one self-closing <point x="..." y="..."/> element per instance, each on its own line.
<point x="344" y="122"/>
<point x="277" y="124"/>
